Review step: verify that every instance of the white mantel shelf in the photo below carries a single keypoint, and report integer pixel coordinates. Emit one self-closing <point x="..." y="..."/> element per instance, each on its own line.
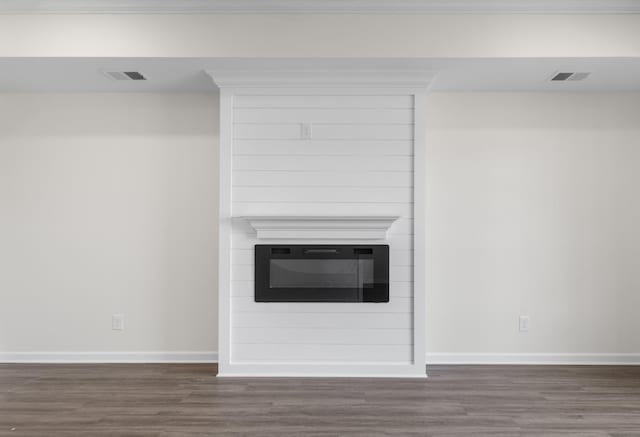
<point x="321" y="227"/>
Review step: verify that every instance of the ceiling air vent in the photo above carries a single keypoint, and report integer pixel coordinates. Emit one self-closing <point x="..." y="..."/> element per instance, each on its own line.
<point x="125" y="75"/>
<point x="565" y="76"/>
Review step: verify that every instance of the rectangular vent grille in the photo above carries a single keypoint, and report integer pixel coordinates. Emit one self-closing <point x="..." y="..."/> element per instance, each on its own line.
<point x="565" y="76"/>
<point x="125" y="75"/>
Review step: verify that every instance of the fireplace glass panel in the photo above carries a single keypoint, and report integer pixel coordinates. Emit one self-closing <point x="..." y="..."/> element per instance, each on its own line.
<point x="321" y="273"/>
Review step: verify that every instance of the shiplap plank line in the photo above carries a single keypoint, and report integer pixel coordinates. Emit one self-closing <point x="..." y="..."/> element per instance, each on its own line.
<point x="346" y="201"/>
<point x="323" y="101"/>
<point x="355" y="336"/>
<point x="326" y="171"/>
<point x="334" y="180"/>
<point x="321" y="353"/>
<point x="397" y="209"/>
<point x="322" y="320"/>
<point x="321" y="179"/>
<point x="323" y="194"/>
<point x="323" y="115"/>
<point x="323" y="163"/>
<point x="323" y="147"/>
<point x="403" y="305"/>
<point x="292" y="131"/>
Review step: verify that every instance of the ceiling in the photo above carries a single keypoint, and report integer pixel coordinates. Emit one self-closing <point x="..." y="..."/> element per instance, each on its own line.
<point x="189" y="74"/>
<point x="320" y="6"/>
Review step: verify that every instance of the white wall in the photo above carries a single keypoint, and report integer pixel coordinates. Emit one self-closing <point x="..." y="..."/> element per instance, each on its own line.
<point x="108" y="205"/>
<point x="533" y="208"/>
<point x="320" y="35"/>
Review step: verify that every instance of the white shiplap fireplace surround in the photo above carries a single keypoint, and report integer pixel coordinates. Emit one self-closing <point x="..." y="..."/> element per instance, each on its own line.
<point x="321" y="152"/>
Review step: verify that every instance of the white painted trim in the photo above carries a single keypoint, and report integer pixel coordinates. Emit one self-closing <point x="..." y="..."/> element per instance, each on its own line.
<point x="320" y="6"/>
<point x="354" y="373"/>
<point x="321" y="227"/>
<point x="225" y="229"/>
<point x="325" y="369"/>
<point x="337" y="370"/>
<point x="329" y="90"/>
<point x="533" y="358"/>
<point x="109" y="357"/>
<point x="419" y="228"/>
<point x="337" y="73"/>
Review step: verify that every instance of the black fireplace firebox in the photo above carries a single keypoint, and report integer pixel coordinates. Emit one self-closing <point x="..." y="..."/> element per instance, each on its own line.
<point x="321" y="273"/>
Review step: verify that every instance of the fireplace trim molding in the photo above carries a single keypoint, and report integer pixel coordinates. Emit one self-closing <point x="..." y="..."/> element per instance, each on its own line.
<point x="321" y="227"/>
<point x="258" y="77"/>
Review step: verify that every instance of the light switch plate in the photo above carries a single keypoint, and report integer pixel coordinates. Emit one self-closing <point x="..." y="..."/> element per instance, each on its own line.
<point x="306" y="131"/>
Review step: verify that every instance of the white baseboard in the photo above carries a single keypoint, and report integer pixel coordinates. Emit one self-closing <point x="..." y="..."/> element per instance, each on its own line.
<point x="533" y="358"/>
<point x="212" y="357"/>
<point x="326" y="369"/>
<point x="109" y="357"/>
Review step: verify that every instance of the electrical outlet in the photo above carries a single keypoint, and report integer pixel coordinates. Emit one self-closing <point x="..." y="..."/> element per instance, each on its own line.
<point x="524" y="323"/>
<point x="117" y="322"/>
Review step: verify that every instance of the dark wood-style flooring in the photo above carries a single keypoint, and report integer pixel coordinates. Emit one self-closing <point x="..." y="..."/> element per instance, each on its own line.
<point x="188" y="400"/>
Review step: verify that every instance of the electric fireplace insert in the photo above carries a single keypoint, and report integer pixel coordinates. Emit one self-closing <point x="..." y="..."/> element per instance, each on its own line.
<point x="321" y="273"/>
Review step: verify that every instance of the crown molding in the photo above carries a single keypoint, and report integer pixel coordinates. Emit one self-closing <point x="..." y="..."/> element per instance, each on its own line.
<point x="320" y="6"/>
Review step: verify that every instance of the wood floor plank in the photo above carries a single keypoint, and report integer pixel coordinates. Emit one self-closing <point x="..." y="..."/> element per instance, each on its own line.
<point x="166" y="400"/>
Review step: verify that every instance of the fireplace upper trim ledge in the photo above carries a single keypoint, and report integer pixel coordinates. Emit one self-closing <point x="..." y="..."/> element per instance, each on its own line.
<point x="321" y="227"/>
